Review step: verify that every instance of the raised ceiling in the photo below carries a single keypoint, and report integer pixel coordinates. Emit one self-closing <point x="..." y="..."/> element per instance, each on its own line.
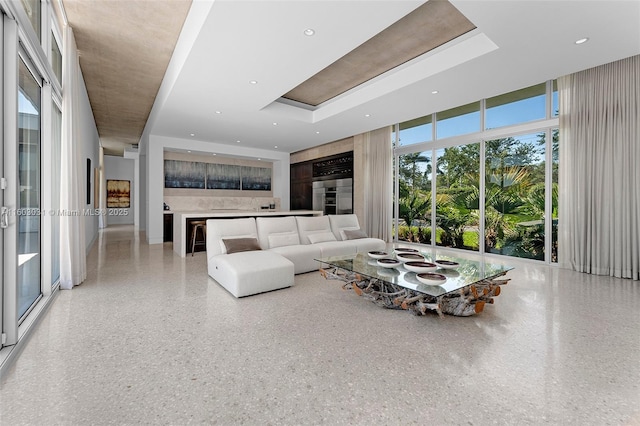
<point x="125" y="47"/>
<point x="431" y="25"/>
<point x="225" y="44"/>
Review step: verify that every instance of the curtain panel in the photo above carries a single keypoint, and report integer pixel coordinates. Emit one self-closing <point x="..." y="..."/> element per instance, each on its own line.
<point x="599" y="176"/>
<point x="73" y="262"/>
<point x="378" y="183"/>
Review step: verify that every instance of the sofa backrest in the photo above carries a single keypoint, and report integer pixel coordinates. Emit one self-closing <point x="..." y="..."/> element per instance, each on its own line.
<point x="277" y="231"/>
<point x="217" y="229"/>
<point x="342" y="222"/>
<point x="315" y="225"/>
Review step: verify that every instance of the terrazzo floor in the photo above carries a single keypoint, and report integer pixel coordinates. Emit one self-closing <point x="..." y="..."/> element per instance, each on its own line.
<point x="150" y="339"/>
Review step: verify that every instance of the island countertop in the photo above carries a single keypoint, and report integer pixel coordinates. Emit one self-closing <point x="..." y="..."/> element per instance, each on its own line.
<point x="180" y="220"/>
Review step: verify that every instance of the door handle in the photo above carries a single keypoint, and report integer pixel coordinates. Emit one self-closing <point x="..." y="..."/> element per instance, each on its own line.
<point x="4" y="217"/>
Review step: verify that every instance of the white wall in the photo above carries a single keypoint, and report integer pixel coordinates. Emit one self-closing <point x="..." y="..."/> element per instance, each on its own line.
<point x="154" y="174"/>
<point x="90" y="144"/>
<point x="119" y="168"/>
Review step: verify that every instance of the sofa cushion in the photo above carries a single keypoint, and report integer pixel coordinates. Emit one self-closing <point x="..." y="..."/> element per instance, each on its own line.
<point x="217" y="229"/>
<point x="312" y="225"/>
<point x="321" y="237"/>
<point x="303" y="256"/>
<point x="283" y="239"/>
<point x="339" y="222"/>
<point x="280" y="226"/>
<point x="353" y="234"/>
<point x="251" y="272"/>
<point x="236" y="245"/>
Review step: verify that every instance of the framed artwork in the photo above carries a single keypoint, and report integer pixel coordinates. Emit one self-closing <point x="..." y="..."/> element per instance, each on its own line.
<point x="223" y="176"/>
<point x="118" y="193"/>
<point x="256" y="178"/>
<point x="184" y="174"/>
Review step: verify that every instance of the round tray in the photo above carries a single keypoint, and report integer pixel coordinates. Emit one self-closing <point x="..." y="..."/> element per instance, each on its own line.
<point x="410" y="257"/>
<point x="429" y="278"/>
<point x="389" y="263"/>
<point x="446" y="264"/>
<point x="420" y="267"/>
<point x="377" y="254"/>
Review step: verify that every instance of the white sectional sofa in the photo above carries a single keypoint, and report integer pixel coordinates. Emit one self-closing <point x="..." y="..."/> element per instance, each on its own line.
<point x="297" y="240"/>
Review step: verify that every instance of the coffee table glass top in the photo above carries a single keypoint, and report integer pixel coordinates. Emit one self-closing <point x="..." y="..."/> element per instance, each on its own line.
<point x="468" y="272"/>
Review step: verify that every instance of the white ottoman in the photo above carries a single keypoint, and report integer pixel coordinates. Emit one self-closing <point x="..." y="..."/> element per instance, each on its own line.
<point x="251" y="272"/>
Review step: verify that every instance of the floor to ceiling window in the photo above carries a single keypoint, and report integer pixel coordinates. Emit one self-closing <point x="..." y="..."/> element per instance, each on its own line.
<point x="457" y="189"/>
<point x="29" y="194"/>
<point x="488" y="166"/>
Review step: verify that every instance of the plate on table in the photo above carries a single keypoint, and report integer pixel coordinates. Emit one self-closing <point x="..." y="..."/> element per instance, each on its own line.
<point x="447" y="264"/>
<point x="420" y="267"/>
<point x="410" y="257"/>
<point x="430" y="278"/>
<point x="389" y="263"/>
<point x="377" y="254"/>
<point x="405" y="250"/>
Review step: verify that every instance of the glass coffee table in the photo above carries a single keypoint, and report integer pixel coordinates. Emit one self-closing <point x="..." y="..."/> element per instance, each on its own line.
<point x="452" y="285"/>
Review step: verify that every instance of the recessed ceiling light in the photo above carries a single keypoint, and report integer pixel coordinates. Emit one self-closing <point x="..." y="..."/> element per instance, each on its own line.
<point x="214" y="154"/>
<point x="276" y="147"/>
<point x="193" y="134"/>
<point x="367" y="115"/>
<point x="237" y="141"/>
<point x="435" y="92"/>
<point x="582" y="40"/>
<point x="317" y="133"/>
<point x="188" y="151"/>
<point x="218" y="112"/>
<point x="309" y="32"/>
<point x="275" y="124"/>
<point x="253" y="82"/>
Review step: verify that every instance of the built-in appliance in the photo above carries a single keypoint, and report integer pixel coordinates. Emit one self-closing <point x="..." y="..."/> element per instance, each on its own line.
<point x="333" y="196"/>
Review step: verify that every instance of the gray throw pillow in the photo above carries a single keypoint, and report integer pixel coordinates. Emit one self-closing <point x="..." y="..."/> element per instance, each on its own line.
<point x="235" y="245"/>
<point x="354" y="234"/>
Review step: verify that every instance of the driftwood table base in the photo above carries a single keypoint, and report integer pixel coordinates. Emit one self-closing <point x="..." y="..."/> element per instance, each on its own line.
<point x="463" y="302"/>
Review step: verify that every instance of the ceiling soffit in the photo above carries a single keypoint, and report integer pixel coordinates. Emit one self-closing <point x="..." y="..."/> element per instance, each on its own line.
<point x="124" y="47"/>
<point x="431" y="25"/>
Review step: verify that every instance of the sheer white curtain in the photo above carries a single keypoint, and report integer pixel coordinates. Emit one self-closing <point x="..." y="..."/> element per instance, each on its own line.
<point x="73" y="266"/>
<point x="378" y="183"/>
<point x="599" y="182"/>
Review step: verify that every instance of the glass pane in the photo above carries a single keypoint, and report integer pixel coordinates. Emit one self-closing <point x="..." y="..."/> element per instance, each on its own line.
<point x="555" y="158"/>
<point x="32" y="9"/>
<point x="555" y="109"/>
<point x="416" y="131"/>
<point x="29" y="190"/>
<point x="414" y="205"/>
<point x="55" y="193"/>
<point x="56" y="58"/>
<point x="457" y="196"/>
<point x="515" y="196"/>
<point x="458" y="121"/>
<point x="516" y="107"/>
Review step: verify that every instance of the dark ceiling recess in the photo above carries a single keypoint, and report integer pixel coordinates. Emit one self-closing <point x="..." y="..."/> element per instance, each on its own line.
<point x="433" y="24"/>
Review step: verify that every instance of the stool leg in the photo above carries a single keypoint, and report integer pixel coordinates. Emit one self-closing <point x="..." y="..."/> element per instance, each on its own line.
<point x="193" y="239"/>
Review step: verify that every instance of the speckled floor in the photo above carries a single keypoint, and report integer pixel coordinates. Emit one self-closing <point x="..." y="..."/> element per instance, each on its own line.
<point x="150" y="339"/>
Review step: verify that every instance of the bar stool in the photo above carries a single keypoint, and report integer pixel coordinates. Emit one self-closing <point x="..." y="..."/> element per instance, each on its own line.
<point x="195" y="226"/>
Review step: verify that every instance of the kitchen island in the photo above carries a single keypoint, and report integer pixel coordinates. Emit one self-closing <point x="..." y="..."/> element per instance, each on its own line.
<point x="181" y="221"/>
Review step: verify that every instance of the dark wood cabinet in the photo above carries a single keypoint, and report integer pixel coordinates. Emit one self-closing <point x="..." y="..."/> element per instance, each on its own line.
<point x="300" y="190"/>
<point x="303" y="174"/>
